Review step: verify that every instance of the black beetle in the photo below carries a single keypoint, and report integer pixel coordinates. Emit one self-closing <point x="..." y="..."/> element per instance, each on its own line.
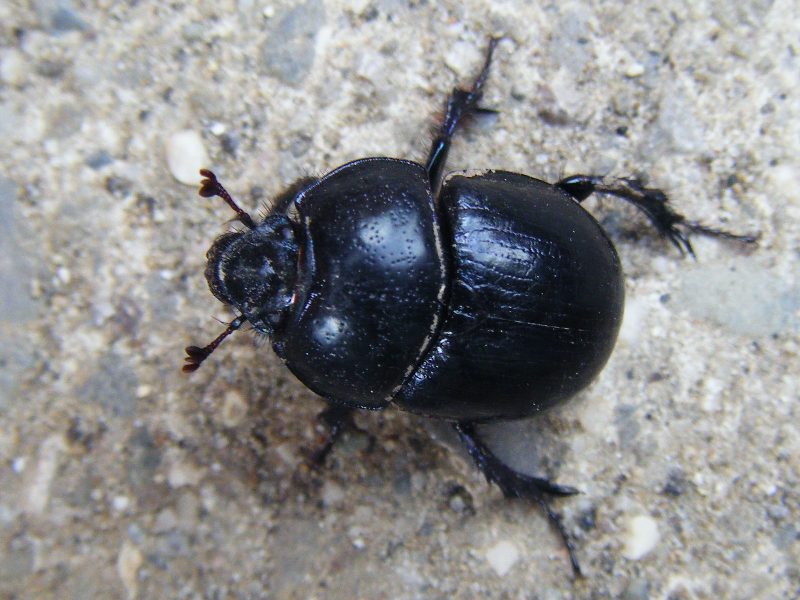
<point x="485" y="295"/>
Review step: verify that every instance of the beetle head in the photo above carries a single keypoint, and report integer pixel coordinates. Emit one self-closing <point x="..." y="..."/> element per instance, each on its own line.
<point x="254" y="271"/>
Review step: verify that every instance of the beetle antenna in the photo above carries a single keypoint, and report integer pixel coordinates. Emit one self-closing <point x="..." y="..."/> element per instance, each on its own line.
<point x="195" y="355"/>
<point x="210" y="187"/>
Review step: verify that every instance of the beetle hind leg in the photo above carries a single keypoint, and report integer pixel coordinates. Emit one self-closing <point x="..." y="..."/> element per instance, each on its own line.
<point x="653" y="203"/>
<point x="516" y="485"/>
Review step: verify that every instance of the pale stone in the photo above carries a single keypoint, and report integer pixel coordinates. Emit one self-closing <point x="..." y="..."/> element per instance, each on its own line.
<point x="186" y="155"/>
<point x="502" y="557"/>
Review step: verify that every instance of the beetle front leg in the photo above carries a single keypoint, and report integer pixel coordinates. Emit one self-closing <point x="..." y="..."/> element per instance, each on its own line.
<point x="460" y="104"/>
<point x="516" y="485"/>
<point x="653" y="203"/>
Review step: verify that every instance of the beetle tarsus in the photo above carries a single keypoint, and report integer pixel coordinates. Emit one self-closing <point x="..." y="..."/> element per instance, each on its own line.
<point x="558" y="523"/>
<point x="654" y="204"/>
<point x="516" y="485"/>
<point x="195" y="355"/>
<point x="210" y="187"/>
<point x="460" y="104"/>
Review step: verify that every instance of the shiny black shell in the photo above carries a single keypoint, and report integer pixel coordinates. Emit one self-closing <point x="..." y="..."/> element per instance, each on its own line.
<point x="500" y="299"/>
<point x="370" y="285"/>
<point x="535" y="302"/>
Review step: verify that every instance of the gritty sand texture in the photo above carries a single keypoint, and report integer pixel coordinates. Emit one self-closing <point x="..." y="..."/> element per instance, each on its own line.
<point x="120" y="477"/>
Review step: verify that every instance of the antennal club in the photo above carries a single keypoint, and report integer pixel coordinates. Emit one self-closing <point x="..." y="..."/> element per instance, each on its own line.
<point x="210" y="187"/>
<point x="195" y="355"/>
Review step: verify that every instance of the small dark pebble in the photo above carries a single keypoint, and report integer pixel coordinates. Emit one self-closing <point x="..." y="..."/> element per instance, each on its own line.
<point x="66" y="20"/>
<point x="144" y="458"/>
<point x="300" y="145"/>
<point x="402" y="482"/>
<point x="426" y="529"/>
<point x="392" y="547"/>
<point x="676" y="484"/>
<point x="778" y="512"/>
<point x="98" y="160"/>
<point x="146" y="204"/>
<point x="136" y="534"/>
<point x="587" y="520"/>
<point x="119" y="186"/>
<point x="230" y="143"/>
<point x="85" y="434"/>
<point x="257" y="193"/>
<point x="606" y="561"/>
<point x="158" y="561"/>
<point x="557" y="117"/>
<point x="52" y="69"/>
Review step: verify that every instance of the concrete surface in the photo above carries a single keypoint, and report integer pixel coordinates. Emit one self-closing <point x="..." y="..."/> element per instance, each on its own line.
<point x="122" y="478"/>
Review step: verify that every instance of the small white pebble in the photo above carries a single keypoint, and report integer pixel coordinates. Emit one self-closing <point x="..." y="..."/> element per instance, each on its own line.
<point x="64" y="275"/>
<point x="13" y="69"/>
<point x="357" y="6"/>
<point x="287" y="454"/>
<point x="128" y="563"/>
<point x="359" y="543"/>
<point x="462" y="58"/>
<point x="217" y="128"/>
<point x="165" y="521"/>
<point x="182" y="472"/>
<point x="18" y="464"/>
<point x="502" y="556"/>
<point x="332" y="494"/>
<point x="634" y="70"/>
<point x="641" y="537"/>
<point x="38" y="492"/>
<point x="637" y="310"/>
<point x="234" y="408"/>
<point x="457" y="503"/>
<point x="186" y="155"/>
<point x="120" y="503"/>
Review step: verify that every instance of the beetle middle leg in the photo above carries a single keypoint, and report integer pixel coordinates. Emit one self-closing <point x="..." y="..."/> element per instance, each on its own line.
<point x="460" y="104"/>
<point x="337" y="418"/>
<point x="653" y="203"/>
<point x="516" y="485"/>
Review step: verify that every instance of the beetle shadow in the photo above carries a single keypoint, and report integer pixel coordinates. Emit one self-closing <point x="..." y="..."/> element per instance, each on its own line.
<point x="533" y="446"/>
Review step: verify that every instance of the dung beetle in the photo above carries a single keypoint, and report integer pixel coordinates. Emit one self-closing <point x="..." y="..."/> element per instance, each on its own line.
<point x="479" y="296"/>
